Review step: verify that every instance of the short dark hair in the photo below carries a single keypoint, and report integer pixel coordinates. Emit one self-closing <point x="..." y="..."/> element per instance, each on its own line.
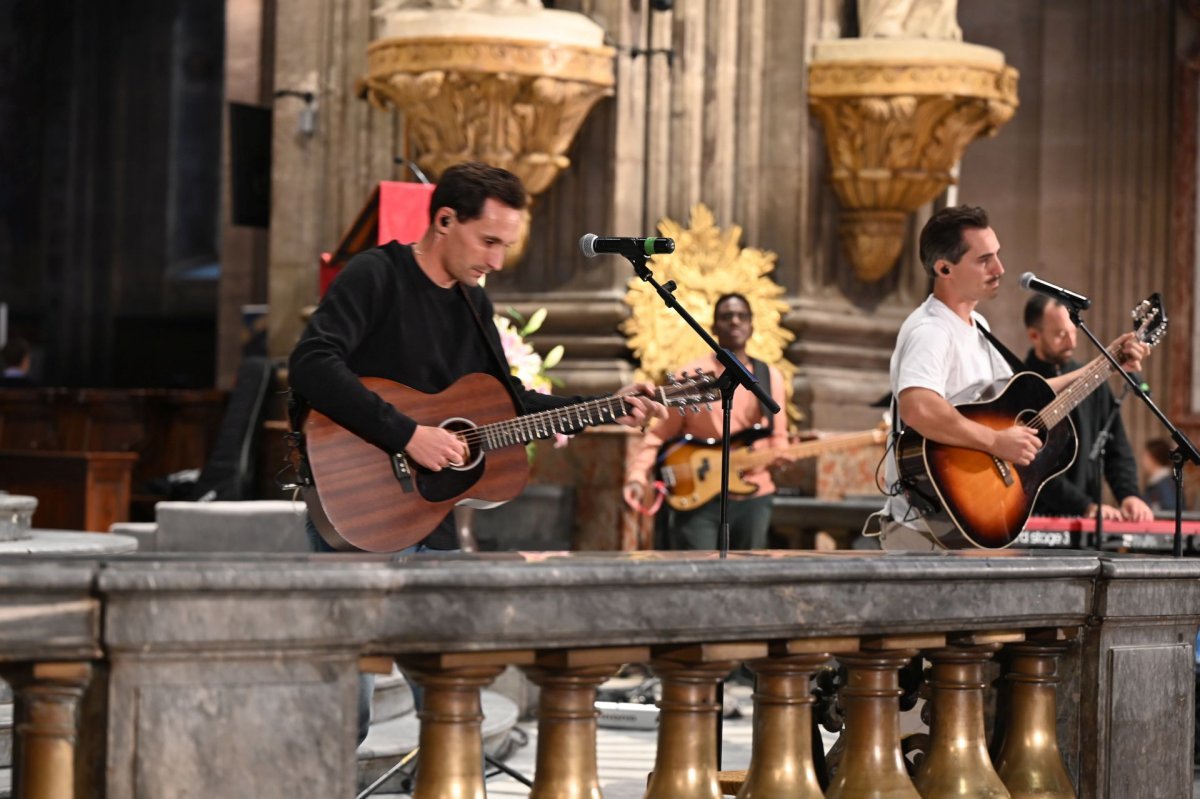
<point x="942" y="239"/>
<point x="15" y="351"/>
<point x="733" y="295"/>
<point x="1035" y="309"/>
<point x="1159" y="450"/>
<point x="465" y="187"/>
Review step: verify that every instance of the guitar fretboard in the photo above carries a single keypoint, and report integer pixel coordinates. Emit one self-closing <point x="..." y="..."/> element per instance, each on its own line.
<point x="1094" y="375"/>
<point x="544" y="424"/>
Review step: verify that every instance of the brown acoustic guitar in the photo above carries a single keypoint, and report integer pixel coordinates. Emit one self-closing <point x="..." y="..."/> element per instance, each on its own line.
<point x="691" y="468"/>
<point x="986" y="500"/>
<point x="364" y="498"/>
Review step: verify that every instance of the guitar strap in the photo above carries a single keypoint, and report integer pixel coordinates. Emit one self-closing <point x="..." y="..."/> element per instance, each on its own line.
<point x="1014" y="363"/>
<point x="762" y="373"/>
<point x="501" y="364"/>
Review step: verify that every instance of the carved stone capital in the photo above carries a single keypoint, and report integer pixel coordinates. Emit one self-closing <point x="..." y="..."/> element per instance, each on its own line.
<point x="513" y="104"/>
<point x="896" y="123"/>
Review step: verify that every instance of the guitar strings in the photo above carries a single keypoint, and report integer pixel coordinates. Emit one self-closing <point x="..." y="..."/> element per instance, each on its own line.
<point x="546" y="423"/>
<point x="1062" y="404"/>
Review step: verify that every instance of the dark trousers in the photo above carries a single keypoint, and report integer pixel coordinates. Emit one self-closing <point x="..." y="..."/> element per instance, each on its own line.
<point x="699" y="528"/>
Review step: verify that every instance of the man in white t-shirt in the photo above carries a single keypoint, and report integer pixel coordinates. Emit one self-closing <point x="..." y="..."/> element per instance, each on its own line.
<point x="942" y="358"/>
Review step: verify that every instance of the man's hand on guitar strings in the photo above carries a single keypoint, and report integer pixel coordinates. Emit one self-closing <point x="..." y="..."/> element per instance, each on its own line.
<point x="640" y="397"/>
<point x="1018" y="444"/>
<point x="436" y="448"/>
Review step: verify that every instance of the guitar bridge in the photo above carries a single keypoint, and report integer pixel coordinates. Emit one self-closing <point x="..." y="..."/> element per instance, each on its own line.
<point x="402" y="472"/>
<point x="1004" y="470"/>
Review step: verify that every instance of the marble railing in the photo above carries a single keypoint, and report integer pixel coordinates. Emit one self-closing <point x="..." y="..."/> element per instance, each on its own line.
<point x="237" y="677"/>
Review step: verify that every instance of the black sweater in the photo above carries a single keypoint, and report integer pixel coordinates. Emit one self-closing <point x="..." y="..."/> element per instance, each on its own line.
<point x="1071" y="493"/>
<point x="383" y="317"/>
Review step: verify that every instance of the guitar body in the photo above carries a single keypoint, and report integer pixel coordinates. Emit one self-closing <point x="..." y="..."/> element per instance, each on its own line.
<point x="987" y="501"/>
<point x="359" y="502"/>
<point x="691" y="468"/>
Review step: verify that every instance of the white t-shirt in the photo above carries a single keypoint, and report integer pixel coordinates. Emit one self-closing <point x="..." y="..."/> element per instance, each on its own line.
<point x="937" y="350"/>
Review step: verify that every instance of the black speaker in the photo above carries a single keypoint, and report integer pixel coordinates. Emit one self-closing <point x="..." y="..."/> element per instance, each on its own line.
<point x="250" y="164"/>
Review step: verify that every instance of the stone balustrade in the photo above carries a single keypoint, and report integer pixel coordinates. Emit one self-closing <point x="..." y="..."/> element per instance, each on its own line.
<point x="236" y="676"/>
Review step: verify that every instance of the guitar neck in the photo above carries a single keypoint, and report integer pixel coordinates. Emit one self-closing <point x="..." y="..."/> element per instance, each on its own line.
<point x="808" y="449"/>
<point x="544" y="424"/>
<point x="1094" y="375"/>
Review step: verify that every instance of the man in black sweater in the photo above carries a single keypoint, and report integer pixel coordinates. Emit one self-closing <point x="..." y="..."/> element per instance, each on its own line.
<point x="404" y="313"/>
<point x="1074" y="493"/>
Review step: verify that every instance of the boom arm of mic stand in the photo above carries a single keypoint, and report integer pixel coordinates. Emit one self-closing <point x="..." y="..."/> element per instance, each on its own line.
<point x="1184" y="451"/>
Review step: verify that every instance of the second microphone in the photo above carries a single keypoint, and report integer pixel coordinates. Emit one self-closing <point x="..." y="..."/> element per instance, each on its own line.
<point x="592" y="245"/>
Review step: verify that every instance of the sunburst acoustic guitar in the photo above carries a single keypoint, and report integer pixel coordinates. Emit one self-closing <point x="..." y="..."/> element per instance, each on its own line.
<point x="986" y="500"/>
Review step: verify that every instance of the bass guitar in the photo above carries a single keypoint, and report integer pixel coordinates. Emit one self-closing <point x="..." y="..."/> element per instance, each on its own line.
<point x="984" y="500"/>
<point x="691" y="468"/>
<point x="363" y="498"/>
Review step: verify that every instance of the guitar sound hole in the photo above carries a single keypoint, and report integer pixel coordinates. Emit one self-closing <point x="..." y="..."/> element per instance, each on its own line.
<point x="463" y="427"/>
<point x="453" y="481"/>
<point x="1027" y="418"/>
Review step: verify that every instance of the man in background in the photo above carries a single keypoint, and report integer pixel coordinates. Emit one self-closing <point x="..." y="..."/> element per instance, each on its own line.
<point x="749" y="516"/>
<point x="1075" y="492"/>
<point x="1160" y="478"/>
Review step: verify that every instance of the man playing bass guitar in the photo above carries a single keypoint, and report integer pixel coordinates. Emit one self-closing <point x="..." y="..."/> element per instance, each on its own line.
<point x="749" y="516"/>
<point x="944" y="352"/>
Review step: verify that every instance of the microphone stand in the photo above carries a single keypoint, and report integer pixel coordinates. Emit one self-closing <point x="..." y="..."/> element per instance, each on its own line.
<point x="734" y="375"/>
<point x="1185" y="450"/>
<point x="1096" y="456"/>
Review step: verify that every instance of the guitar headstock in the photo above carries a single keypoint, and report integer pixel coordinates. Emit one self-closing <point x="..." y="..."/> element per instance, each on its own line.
<point x="1150" y="320"/>
<point x="687" y="391"/>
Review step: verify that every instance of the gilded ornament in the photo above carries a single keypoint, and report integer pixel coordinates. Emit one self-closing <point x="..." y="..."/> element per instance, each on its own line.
<point x="894" y="132"/>
<point x="487" y="80"/>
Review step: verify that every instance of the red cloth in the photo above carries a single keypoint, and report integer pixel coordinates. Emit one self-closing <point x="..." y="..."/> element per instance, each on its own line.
<point x="402" y="215"/>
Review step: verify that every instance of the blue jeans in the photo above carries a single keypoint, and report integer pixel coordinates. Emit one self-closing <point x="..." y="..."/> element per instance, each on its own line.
<point x="366" y="682"/>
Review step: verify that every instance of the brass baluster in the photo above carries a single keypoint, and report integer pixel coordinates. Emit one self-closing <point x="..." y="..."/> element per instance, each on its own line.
<point x="1030" y="764"/>
<point x="957" y="763"/>
<point x="566" y="748"/>
<point x="872" y="765"/>
<point x="685" y="765"/>
<point x="781" y="762"/>
<point x="451" y="739"/>
<point x="45" y="725"/>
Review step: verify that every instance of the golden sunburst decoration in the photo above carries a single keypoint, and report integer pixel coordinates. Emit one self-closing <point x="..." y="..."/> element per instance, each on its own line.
<point x="707" y="263"/>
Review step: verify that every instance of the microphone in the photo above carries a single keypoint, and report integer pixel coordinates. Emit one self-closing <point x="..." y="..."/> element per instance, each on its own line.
<point x="1032" y="282"/>
<point x="592" y="245"/>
